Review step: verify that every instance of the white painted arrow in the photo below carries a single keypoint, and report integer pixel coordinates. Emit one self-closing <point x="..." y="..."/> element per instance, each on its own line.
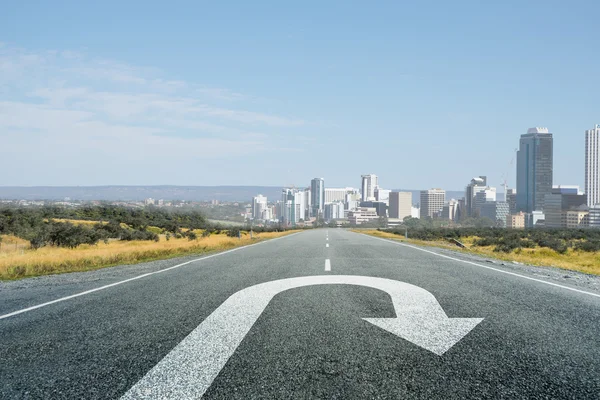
<point x="190" y="368"/>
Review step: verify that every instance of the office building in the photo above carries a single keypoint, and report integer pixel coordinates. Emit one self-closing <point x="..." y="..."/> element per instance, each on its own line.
<point x="334" y="211"/>
<point x="483" y="196"/>
<point x="379" y="206"/>
<point x="450" y="210"/>
<point x="497" y="211"/>
<point x="511" y="198"/>
<point x="535" y="219"/>
<point x="293" y="206"/>
<point x="576" y="218"/>
<point x="561" y="200"/>
<point x="594" y="216"/>
<point x="432" y="202"/>
<point x="259" y="205"/>
<point x="415" y="212"/>
<point x="515" y="221"/>
<point x="362" y="215"/>
<point x="400" y="204"/>
<point x="335" y="194"/>
<point x="369" y="183"/>
<point x="317" y="196"/>
<point x="477" y="184"/>
<point x="382" y="195"/>
<point x="534" y="169"/>
<point x="592" y="165"/>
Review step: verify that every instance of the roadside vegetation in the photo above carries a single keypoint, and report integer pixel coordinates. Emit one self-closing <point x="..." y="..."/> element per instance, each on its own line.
<point x="573" y="249"/>
<point x="46" y="240"/>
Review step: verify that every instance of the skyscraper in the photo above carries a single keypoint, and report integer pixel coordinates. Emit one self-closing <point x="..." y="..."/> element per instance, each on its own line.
<point x="534" y="169"/>
<point x="259" y="205"/>
<point x="432" y="202"/>
<point x="369" y="183"/>
<point x="477" y="184"/>
<point x="317" y="194"/>
<point x="592" y="172"/>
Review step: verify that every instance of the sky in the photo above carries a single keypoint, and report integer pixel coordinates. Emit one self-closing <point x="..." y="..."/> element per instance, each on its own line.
<point x="423" y="94"/>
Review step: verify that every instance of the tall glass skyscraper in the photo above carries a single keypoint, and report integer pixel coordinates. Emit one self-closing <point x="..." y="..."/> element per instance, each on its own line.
<point x="317" y="194"/>
<point x="534" y="169"/>
<point x="592" y="165"/>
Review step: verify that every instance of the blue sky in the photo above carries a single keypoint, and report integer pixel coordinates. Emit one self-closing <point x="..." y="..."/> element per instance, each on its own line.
<point x="423" y="94"/>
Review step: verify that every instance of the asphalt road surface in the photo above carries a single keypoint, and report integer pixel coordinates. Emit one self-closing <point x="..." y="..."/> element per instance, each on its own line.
<point x="337" y="315"/>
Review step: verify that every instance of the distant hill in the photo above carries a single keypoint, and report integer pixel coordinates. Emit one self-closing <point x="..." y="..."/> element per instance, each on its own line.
<point x="137" y="193"/>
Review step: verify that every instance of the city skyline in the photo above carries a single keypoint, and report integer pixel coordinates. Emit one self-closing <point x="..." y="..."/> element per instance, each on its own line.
<point x="165" y="105"/>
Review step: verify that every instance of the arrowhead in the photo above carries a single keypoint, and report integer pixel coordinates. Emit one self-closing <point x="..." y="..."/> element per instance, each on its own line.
<point x="437" y="336"/>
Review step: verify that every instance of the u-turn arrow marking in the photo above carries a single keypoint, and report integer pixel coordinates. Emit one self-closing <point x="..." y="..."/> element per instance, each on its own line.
<point x="190" y="368"/>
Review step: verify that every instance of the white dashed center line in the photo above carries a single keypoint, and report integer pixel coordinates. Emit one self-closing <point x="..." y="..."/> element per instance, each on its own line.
<point x="327" y="265"/>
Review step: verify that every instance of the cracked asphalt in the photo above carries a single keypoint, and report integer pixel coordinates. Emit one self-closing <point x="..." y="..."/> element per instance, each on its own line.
<point x="536" y="340"/>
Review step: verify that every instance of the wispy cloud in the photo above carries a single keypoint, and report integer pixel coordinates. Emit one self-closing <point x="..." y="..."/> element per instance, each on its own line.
<point x="66" y="114"/>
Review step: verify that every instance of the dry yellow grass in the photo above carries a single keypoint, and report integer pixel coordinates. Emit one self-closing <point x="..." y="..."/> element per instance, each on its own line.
<point x="77" y="221"/>
<point x="587" y="262"/>
<point x="52" y="260"/>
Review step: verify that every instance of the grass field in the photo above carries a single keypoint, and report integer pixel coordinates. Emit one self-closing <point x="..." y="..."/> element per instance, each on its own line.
<point x="17" y="260"/>
<point x="587" y="262"/>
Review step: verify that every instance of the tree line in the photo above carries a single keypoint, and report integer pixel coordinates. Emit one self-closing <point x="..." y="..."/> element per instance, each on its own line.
<point x="507" y="240"/>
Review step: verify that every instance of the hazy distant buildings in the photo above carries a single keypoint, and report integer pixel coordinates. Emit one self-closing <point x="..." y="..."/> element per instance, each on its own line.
<point x="592" y="161"/>
<point x="369" y="183"/>
<point x="400" y="205"/>
<point x="594" y="216"/>
<point x="259" y="205"/>
<point x="497" y="211"/>
<point x="534" y="169"/>
<point x="362" y="215"/>
<point x="450" y="210"/>
<point x="335" y="194"/>
<point x="293" y="206"/>
<point x="559" y="202"/>
<point x="511" y="198"/>
<point x="432" y="202"/>
<point x="515" y="221"/>
<point x="477" y="184"/>
<point x="382" y="195"/>
<point x="334" y="211"/>
<point x="483" y="196"/>
<point x="317" y="196"/>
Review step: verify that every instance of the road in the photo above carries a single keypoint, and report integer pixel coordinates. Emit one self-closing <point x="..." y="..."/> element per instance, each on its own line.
<point x="314" y="328"/>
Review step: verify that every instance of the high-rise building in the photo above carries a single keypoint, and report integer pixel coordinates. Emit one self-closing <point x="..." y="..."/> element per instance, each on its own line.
<point x="369" y="183"/>
<point x="432" y="202"/>
<point x="293" y="206"/>
<point x="534" y="169"/>
<point x="592" y="165"/>
<point x="400" y="205"/>
<point x="259" y="205"/>
<point x="334" y="211"/>
<point x="477" y="184"/>
<point x="317" y="196"/>
<point x="511" y="198"/>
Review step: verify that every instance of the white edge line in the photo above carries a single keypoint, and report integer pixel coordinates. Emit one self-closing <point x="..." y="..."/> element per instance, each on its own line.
<point x="486" y="267"/>
<point x="327" y="265"/>
<point x="135" y="278"/>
